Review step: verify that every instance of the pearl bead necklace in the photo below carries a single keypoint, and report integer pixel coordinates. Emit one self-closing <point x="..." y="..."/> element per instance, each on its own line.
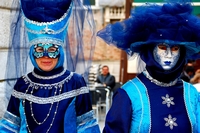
<point x="33" y="116"/>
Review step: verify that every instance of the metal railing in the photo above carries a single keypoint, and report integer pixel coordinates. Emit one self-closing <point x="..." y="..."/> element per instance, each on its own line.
<point x="3" y="80"/>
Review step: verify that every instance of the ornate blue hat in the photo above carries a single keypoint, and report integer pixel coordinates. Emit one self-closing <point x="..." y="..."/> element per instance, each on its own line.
<point x="50" y="27"/>
<point x="60" y="22"/>
<point x="53" y="31"/>
<point x="172" y="23"/>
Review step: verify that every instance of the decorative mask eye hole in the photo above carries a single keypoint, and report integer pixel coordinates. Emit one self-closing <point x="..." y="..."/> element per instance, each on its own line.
<point x="39" y="49"/>
<point x="174" y="48"/>
<point x="52" y="49"/>
<point x="162" y="46"/>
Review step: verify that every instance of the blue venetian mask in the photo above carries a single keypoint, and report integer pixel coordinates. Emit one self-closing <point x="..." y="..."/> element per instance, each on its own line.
<point x="49" y="50"/>
<point x="167" y="56"/>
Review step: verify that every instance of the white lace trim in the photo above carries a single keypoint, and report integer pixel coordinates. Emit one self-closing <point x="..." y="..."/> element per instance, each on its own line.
<point x="52" y="99"/>
<point x="48" y="77"/>
<point x="46" y="86"/>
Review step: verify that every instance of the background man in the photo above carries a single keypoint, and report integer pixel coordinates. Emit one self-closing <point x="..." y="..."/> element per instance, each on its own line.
<point x="106" y="78"/>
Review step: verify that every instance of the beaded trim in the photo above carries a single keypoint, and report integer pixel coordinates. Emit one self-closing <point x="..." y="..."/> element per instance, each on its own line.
<point x="46" y="40"/>
<point x="48" y="77"/>
<point x="145" y="72"/>
<point x="52" y="99"/>
<point x="46" y="30"/>
<point x="46" y="86"/>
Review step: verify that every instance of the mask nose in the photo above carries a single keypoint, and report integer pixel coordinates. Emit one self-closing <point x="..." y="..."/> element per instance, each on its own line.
<point x="45" y="53"/>
<point x="168" y="53"/>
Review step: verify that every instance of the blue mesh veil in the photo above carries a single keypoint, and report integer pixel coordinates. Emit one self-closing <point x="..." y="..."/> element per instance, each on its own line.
<point x="78" y="46"/>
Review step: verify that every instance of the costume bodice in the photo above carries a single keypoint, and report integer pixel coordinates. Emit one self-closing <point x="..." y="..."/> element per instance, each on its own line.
<point x="156" y="108"/>
<point x="167" y="107"/>
<point x="45" y="99"/>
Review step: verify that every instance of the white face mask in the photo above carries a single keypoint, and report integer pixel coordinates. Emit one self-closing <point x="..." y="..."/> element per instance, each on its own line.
<point x="166" y="56"/>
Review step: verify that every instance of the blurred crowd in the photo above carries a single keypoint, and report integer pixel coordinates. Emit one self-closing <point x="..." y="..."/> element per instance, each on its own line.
<point x="191" y="74"/>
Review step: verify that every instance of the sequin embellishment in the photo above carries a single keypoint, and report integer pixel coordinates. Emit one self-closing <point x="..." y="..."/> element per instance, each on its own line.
<point x="170" y="122"/>
<point x="168" y="100"/>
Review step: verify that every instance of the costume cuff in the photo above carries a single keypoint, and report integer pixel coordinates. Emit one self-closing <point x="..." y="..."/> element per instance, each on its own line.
<point x="87" y="123"/>
<point x="9" y="123"/>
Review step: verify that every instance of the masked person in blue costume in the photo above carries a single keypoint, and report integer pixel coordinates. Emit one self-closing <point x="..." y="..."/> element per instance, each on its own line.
<point x="156" y="100"/>
<point x="50" y="99"/>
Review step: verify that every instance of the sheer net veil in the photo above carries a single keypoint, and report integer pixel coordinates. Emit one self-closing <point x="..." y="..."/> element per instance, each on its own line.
<point x="78" y="46"/>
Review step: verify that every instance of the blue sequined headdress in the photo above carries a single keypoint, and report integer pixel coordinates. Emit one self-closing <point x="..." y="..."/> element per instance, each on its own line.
<point x="60" y="22"/>
<point x="171" y="23"/>
<point x="53" y="32"/>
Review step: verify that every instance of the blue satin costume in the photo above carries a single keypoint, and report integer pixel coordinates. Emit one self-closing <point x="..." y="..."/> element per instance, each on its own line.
<point x="156" y="100"/>
<point x="57" y="101"/>
<point x="37" y="90"/>
<point x="143" y="110"/>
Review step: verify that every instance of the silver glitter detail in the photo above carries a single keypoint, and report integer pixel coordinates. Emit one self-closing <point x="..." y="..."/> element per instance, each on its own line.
<point x="46" y="30"/>
<point x="145" y="72"/>
<point x="52" y="99"/>
<point x="168" y="100"/>
<point x="46" y="40"/>
<point x="170" y="122"/>
<point x="46" y="86"/>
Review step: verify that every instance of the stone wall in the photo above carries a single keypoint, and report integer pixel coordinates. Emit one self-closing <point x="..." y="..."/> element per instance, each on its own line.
<point x="4" y="37"/>
<point x="4" y="33"/>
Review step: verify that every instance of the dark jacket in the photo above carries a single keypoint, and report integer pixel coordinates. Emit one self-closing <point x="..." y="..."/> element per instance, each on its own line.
<point x="109" y="80"/>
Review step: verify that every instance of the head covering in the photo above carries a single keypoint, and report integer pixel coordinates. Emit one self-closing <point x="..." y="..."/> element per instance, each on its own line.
<point x="60" y="22"/>
<point x="45" y="25"/>
<point x="150" y="24"/>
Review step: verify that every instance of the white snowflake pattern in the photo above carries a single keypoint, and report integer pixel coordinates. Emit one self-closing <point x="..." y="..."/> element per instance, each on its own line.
<point x="168" y="100"/>
<point x="170" y="122"/>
